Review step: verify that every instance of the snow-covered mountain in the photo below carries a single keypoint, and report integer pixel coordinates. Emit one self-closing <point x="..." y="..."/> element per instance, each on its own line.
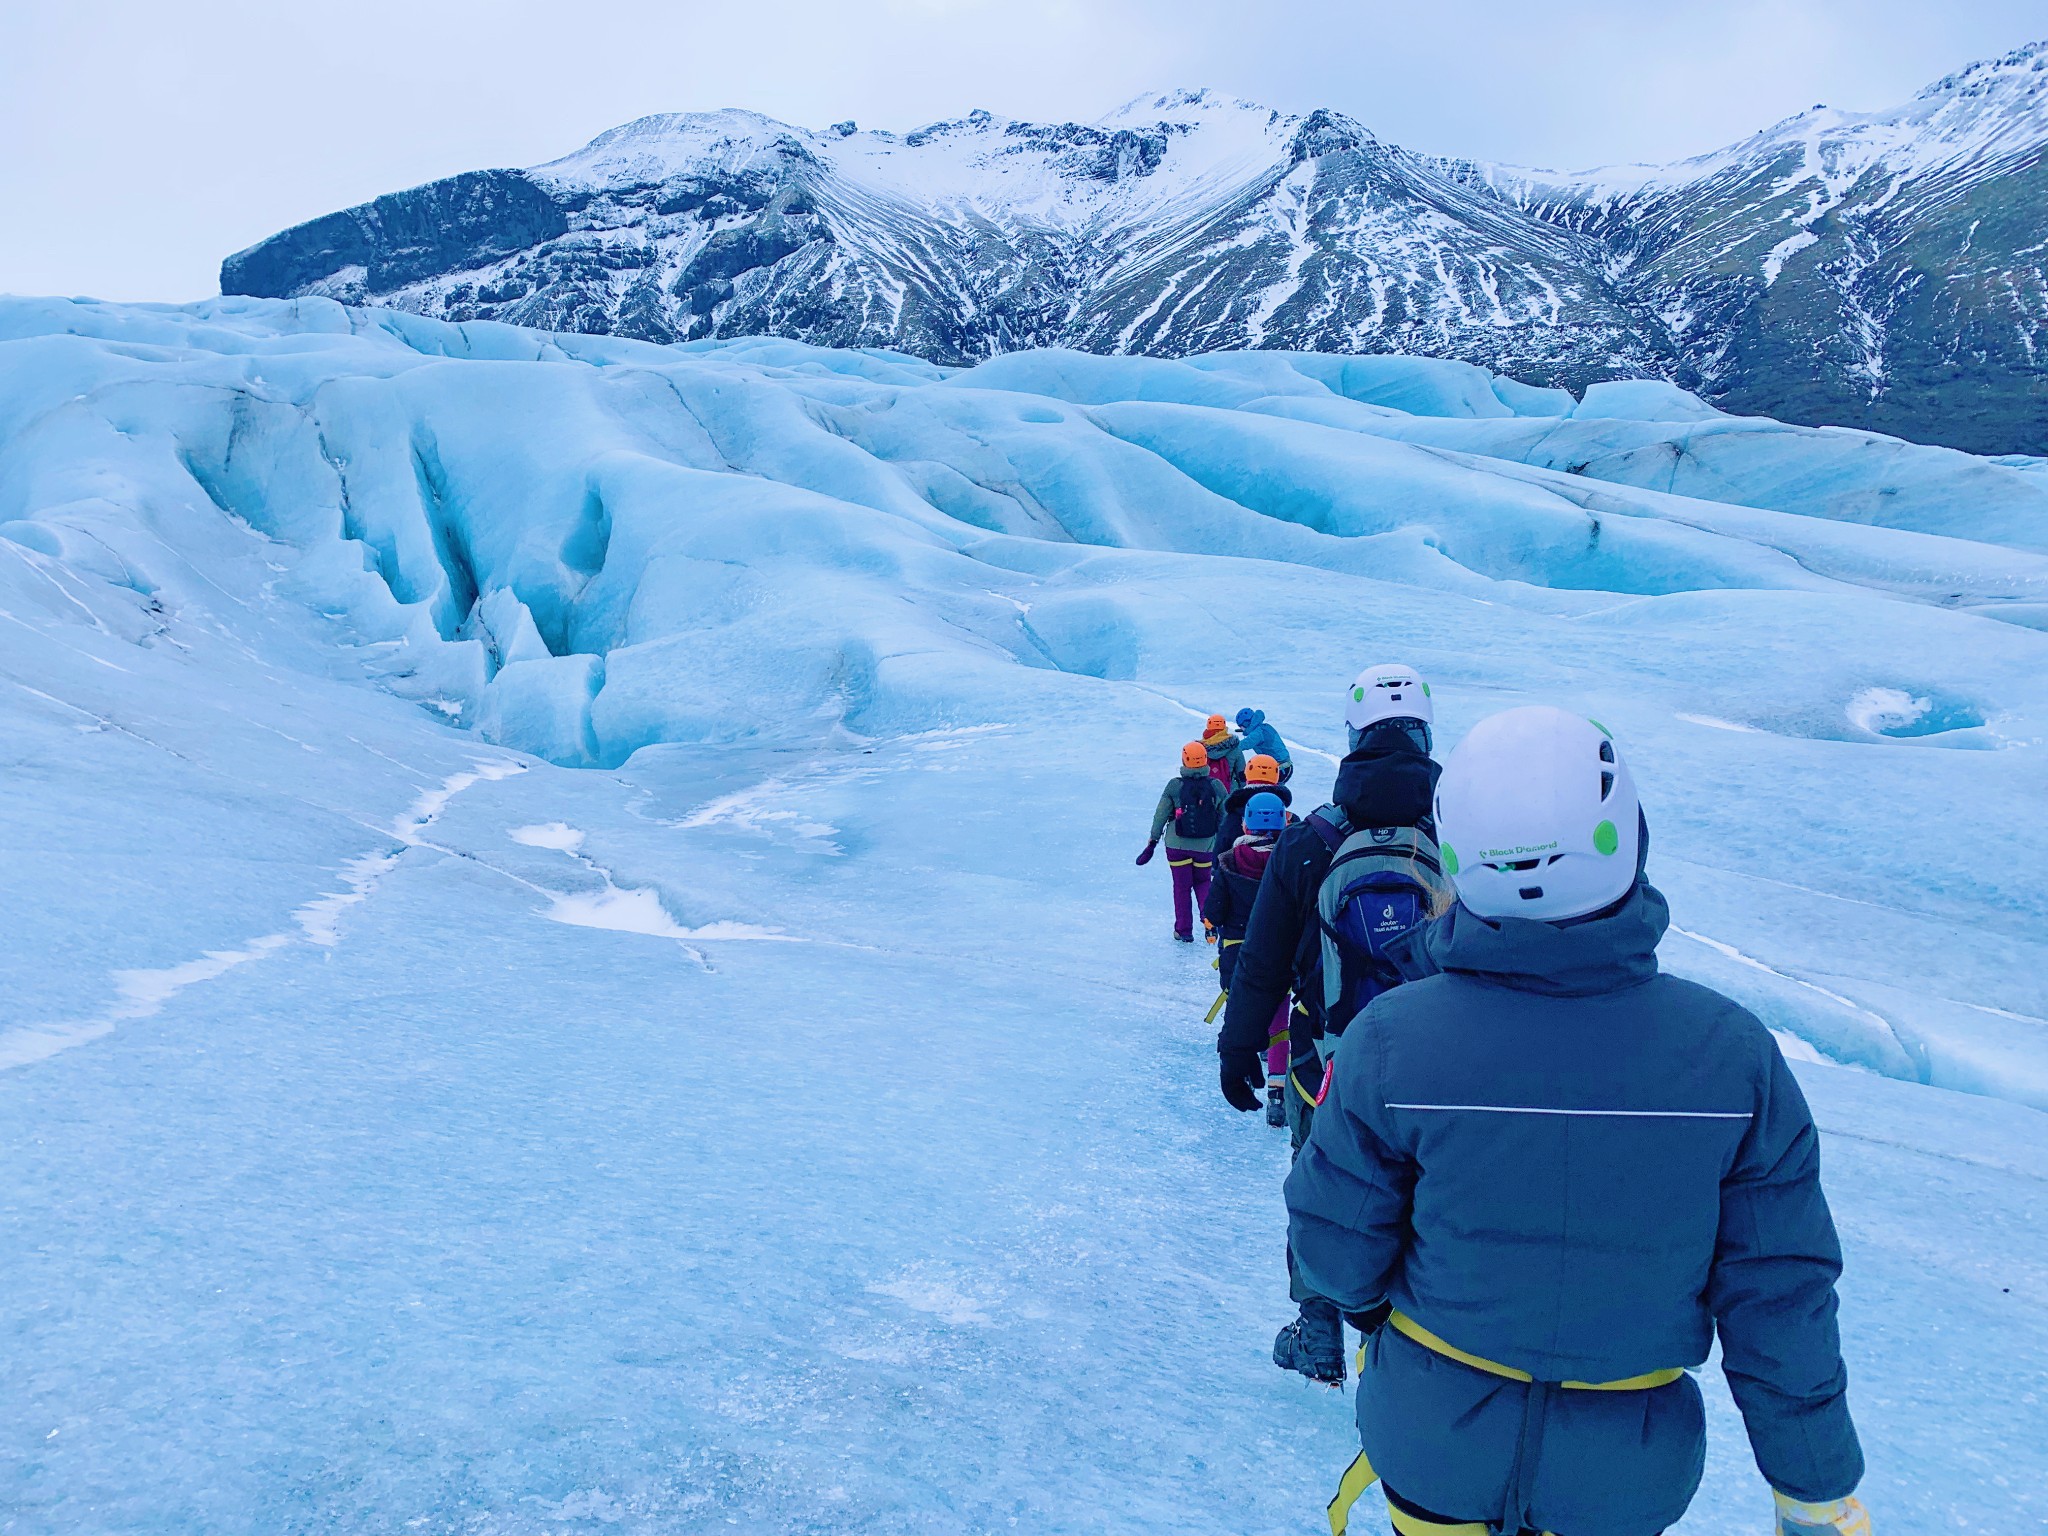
<point x="1182" y="223"/>
<point x="1879" y="270"/>
<point x="1875" y="269"/>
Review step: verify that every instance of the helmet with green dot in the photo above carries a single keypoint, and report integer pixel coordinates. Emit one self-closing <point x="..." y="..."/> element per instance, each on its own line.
<point x="1537" y="816"/>
<point x="1389" y="692"/>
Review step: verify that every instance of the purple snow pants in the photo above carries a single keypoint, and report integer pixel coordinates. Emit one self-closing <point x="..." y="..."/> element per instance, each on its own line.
<point x="1190" y="885"/>
<point x="1277" y="1036"/>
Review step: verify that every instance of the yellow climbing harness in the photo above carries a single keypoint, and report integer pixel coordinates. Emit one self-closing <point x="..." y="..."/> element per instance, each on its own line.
<point x="1351" y="1487"/>
<point x="1405" y="1324"/>
<point x="1311" y="1096"/>
<point x="1360" y="1476"/>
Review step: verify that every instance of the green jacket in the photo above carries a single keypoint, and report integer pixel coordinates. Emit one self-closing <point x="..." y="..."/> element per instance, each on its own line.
<point x="1163" y="823"/>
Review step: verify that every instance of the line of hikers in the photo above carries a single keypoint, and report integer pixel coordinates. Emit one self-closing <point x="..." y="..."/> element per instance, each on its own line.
<point x="1535" y="1174"/>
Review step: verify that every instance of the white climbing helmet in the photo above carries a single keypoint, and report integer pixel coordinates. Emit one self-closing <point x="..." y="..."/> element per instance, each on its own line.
<point x="1537" y="816"/>
<point x="1390" y="692"/>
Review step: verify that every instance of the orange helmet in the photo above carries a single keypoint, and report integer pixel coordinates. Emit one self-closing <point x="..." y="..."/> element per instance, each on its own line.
<point x="1216" y="729"/>
<point x="1261" y="769"/>
<point x="1194" y="755"/>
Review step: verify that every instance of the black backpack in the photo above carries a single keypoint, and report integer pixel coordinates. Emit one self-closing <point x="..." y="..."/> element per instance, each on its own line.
<point x="1197" y="815"/>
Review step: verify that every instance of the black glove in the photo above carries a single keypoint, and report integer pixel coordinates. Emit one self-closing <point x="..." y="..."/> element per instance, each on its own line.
<point x="1372" y="1319"/>
<point x="1146" y="857"/>
<point x="1244" y="1079"/>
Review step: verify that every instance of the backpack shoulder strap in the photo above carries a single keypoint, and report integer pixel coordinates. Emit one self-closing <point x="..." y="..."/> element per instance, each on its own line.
<point x="1331" y="825"/>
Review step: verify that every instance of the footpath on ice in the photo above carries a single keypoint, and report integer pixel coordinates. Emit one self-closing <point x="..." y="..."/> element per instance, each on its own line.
<point x="577" y="966"/>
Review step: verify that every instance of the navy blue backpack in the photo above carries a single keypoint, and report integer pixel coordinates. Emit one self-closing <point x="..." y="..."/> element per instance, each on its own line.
<point x="1382" y="882"/>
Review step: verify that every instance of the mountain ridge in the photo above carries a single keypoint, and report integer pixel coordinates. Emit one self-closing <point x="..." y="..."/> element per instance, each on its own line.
<point x="1879" y="270"/>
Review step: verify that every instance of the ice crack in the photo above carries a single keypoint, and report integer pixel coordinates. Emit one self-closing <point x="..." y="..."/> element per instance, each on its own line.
<point x="144" y="993"/>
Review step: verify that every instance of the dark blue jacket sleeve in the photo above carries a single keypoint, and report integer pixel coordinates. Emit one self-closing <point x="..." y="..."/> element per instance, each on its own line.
<point x="1772" y="1293"/>
<point x="1218" y="907"/>
<point x="1351" y="1192"/>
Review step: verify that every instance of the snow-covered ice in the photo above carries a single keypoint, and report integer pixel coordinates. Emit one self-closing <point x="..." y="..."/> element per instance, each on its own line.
<point x="413" y="732"/>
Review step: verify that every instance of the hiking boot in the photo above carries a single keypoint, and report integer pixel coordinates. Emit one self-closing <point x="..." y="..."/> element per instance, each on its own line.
<point x="1184" y="938"/>
<point x="1276" y="1106"/>
<point x="1309" y="1350"/>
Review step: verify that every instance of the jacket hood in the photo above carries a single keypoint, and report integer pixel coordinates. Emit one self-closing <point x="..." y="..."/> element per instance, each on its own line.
<point x="1611" y="950"/>
<point x="1249" y="855"/>
<point x="1385" y="786"/>
<point x="1241" y="796"/>
<point x="1220" y="746"/>
<point x="1195" y="773"/>
<point x="1250" y="719"/>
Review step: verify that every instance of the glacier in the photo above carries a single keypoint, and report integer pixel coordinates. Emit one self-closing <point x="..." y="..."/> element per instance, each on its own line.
<point x="576" y="965"/>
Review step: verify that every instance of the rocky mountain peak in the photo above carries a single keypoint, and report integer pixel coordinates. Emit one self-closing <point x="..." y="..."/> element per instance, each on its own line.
<point x="1876" y="269"/>
<point x="1324" y="132"/>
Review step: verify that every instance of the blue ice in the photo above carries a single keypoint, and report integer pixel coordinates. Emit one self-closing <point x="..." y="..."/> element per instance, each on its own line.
<point x="575" y="959"/>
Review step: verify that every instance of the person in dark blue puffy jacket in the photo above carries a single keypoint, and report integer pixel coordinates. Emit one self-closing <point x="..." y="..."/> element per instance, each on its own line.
<point x="1565" y="1172"/>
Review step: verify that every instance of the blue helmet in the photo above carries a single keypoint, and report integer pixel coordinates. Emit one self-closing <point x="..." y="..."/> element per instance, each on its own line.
<point x="1265" y="813"/>
<point x="1247" y="718"/>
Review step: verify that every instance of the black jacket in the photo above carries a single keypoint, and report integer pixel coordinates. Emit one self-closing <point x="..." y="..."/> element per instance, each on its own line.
<point x="1377" y="786"/>
<point x="1233" y="810"/>
<point x="1232" y="894"/>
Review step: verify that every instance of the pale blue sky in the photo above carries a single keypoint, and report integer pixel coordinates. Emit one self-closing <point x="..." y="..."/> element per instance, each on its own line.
<point x="145" y="139"/>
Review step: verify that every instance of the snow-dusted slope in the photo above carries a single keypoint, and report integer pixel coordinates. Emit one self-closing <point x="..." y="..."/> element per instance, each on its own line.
<point x="1882" y="269"/>
<point x="1870" y="269"/>
<point x="1181" y="222"/>
<point x="800" y="1119"/>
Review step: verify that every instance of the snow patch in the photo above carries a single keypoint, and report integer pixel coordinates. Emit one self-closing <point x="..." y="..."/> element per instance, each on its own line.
<point x="755" y="810"/>
<point x="1785" y="249"/>
<point x="319" y="920"/>
<point x="559" y="836"/>
<point x="622" y="911"/>
<point x="410" y="828"/>
<point x="1899" y="713"/>
<point x="1887" y="711"/>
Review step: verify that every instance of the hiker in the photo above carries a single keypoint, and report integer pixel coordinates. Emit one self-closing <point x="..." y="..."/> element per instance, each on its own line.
<point x="1257" y="736"/>
<point x="1240" y="865"/>
<point x="1225" y="753"/>
<point x="1189" y="812"/>
<point x="1260" y="773"/>
<point x="1563" y="1172"/>
<point x="1340" y="887"/>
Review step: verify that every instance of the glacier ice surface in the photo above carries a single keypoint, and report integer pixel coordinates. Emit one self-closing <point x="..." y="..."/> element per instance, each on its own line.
<point x="575" y="961"/>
